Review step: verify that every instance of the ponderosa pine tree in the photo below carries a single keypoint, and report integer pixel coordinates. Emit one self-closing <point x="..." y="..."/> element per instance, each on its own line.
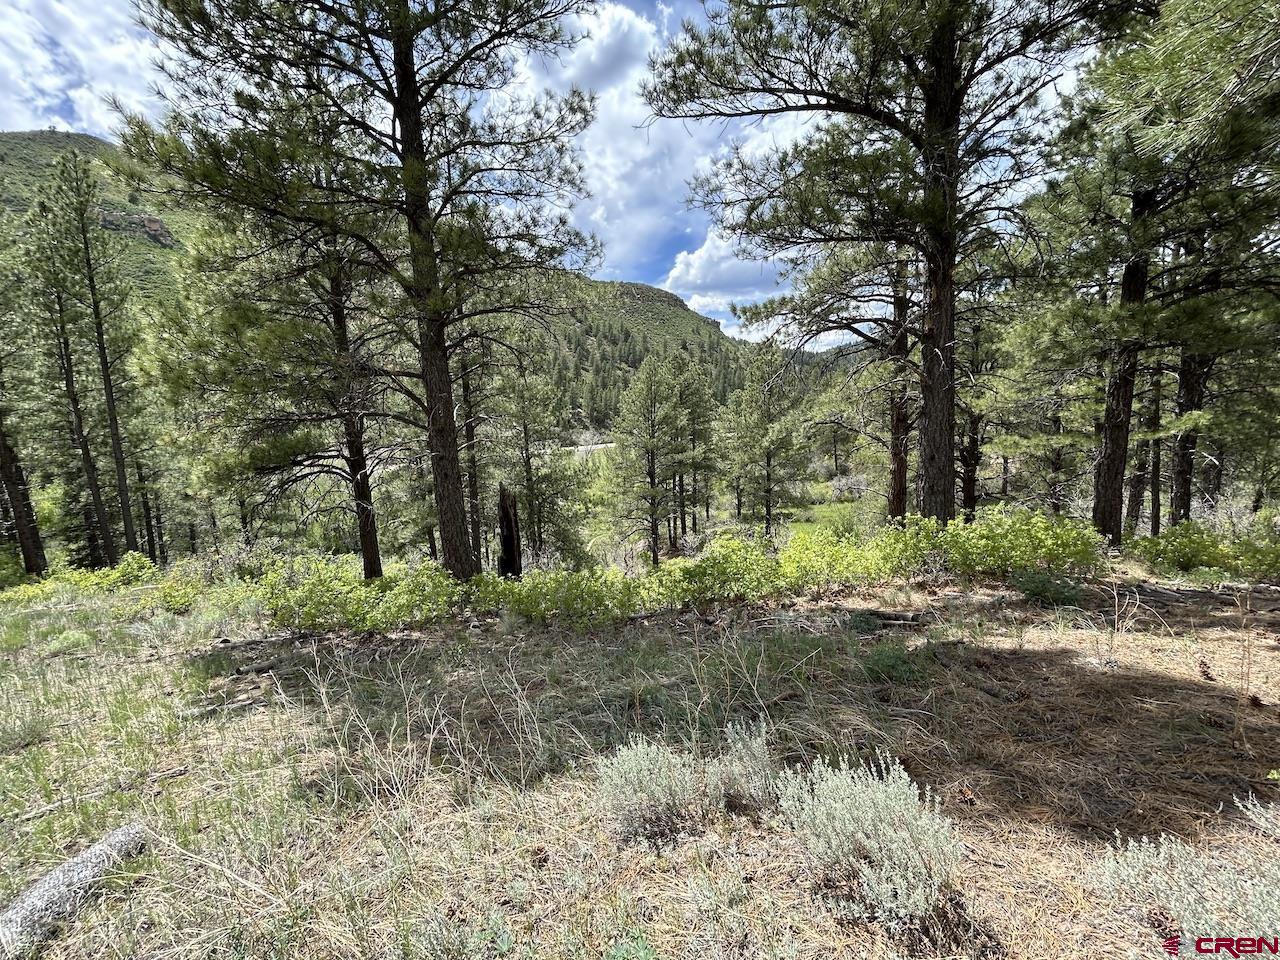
<point x="929" y="115"/>
<point x="478" y="184"/>
<point x="90" y="258"/>
<point x="271" y="351"/>
<point x="13" y="472"/>
<point x="763" y="436"/>
<point x="60" y="331"/>
<point x="865" y="299"/>
<point x="649" y="436"/>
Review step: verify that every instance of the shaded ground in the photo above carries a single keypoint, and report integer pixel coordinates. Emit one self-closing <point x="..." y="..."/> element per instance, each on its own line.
<point x="335" y="795"/>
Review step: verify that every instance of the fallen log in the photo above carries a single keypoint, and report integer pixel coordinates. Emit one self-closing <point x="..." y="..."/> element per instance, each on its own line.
<point x="35" y="916"/>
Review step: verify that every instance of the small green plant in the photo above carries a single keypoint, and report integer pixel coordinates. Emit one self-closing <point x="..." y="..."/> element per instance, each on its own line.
<point x="870" y="830"/>
<point x="1184" y="547"/>
<point x="649" y="791"/>
<point x="1045" y="588"/>
<point x="891" y="662"/>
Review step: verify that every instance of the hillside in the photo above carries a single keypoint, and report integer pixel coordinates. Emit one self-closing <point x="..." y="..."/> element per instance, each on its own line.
<point x="617" y="326"/>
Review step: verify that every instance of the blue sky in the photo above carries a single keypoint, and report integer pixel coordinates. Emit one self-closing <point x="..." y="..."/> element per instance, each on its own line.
<point x="60" y="59"/>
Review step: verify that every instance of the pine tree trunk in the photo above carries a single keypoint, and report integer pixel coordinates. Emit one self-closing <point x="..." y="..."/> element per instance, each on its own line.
<point x="148" y="523"/>
<point x="1156" y="480"/>
<point x="432" y="320"/>
<point x="768" y="494"/>
<point x="970" y="461"/>
<point x="162" y="548"/>
<point x="356" y="457"/>
<point x="89" y="467"/>
<point x="1193" y="382"/>
<point x="1142" y="456"/>
<point x="534" y="528"/>
<point x="693" y="494"/>
<point x="943" y="99"/>
<point x="1108" y="481"/>
<point x="13" y="477"/>
<point x="509" y="559"/>
<point x="473" y="465"/>
<point x="899" y="398"/>
<point x="1113" y="455"/>
<point x="108" y="391"/>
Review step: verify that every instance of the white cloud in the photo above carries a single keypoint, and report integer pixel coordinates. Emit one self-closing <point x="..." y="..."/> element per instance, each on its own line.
<point x="60" y="59"/>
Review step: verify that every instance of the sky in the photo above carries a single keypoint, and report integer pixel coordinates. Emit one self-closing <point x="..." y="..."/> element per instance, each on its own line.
<point x="61" y="59"/>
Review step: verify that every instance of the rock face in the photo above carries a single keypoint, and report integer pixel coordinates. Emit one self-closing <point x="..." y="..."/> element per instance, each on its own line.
<point x="140" y="225"/>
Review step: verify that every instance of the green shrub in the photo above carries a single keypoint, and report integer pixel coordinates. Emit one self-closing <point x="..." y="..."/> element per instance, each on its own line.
<point x="730" y="568"/>
<point x="581" y="597"/>
<point x="1184" y="547"/>
<point x="182" y="585"/>
<point x="891" y="662"/>
<point x="133" y="570"/>
<point x="1004" y="540"/>
<point x="316" y="593"/>
<point x="820" y="559"/>
<point x="1048" y="589"/>
<point x="423" y="594"/>
<point x="903" y="548"/>
<point x="869" y="830"/>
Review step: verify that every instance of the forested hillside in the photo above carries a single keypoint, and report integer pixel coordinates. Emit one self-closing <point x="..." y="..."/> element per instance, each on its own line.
<point x="376" y="584"/>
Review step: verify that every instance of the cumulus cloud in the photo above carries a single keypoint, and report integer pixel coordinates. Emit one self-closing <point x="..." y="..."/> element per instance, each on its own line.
<point x="60" y="59"/>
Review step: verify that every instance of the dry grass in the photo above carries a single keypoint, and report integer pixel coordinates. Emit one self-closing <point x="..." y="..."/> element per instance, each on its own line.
<point x="342" y="796"/>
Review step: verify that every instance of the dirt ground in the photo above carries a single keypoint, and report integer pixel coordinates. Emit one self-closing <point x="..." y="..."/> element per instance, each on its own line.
<point x="432" y="793"/>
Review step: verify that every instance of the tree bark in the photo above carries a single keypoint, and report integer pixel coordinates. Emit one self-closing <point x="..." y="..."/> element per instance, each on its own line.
<point x="355" y="456"/>
<point x="899" y="398"/>
<point x="509" y="559"/>
<point x="1140" y="479"/>
<point x="14" y="479"/>
<point x="943" y="94"/>
<point x="1193" y="381"/>
<point x="427" y="293"/>
<point x="1113" y="455"/>
<point x="42" y="909"/>
<point x="80" y="439"/>
<point x="148" y="523"/>
<point x="970" y="460"/>
<point x="1155" y="480"/>
<point x="473" y="464"/>
<point x="1108" y="478"/>
<point x="108" y="389"/>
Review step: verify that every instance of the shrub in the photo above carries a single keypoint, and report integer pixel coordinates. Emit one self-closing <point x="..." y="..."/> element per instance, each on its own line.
<point x="1264" y="817"/>
<point x="1184" y="547"/>
<point x="870" y="830"/>
<point x="732" y="569"/>
<point x="901" y="549"/>
<point x="1048" y="589"/>
<point x="820" y="559"/>
<point x="317" y="593"/>
<point x="890" y="661"/>
<point x="423" y="594"/>
<point x="582" y="598"/>
<point x="181" y="586"/>
<point x="743" y="778"/>
<point x="1005" y="540"/>
<point x="649" y="790"/>
<point x="1205" y="894"/>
